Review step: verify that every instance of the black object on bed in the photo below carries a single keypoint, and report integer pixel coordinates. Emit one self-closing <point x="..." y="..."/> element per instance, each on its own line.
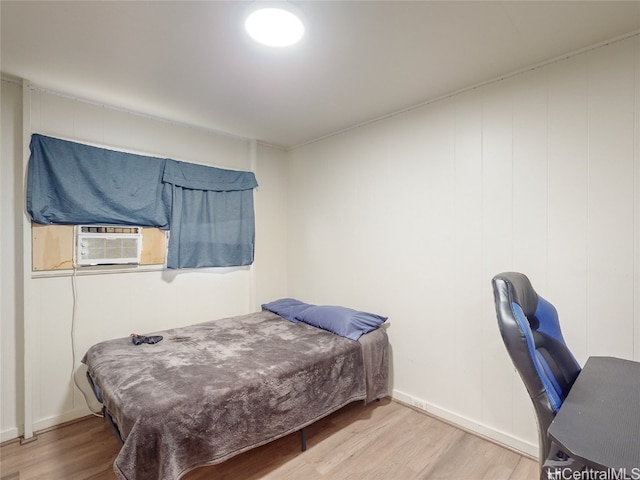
<point x="213" y="390"/>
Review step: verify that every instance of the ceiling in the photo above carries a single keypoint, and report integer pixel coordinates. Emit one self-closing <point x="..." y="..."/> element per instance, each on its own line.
<point x="191" y="62"/>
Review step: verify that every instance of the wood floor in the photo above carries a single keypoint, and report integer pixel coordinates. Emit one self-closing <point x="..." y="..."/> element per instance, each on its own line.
<point x="381" y="441"/>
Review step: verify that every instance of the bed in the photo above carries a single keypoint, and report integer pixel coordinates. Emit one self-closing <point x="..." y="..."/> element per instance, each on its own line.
<point x="210" y="391"/>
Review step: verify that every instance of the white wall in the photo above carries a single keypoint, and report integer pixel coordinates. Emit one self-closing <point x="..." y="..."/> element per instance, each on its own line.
<point x="271" y="205"/>
<point x="10" y="258"/>
<point x="411" y="217"/>
<point x="116" y="304"/>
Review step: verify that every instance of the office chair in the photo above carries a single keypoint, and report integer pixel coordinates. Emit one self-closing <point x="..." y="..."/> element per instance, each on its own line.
<point x="531" y="332"/>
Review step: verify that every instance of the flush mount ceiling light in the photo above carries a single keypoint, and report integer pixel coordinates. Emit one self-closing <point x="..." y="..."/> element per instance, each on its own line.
<point x="274" y="26"/>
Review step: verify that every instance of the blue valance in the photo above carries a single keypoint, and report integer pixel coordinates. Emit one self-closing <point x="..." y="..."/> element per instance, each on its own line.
<point x="208" y="210"/>
<point x="200" y="177"/>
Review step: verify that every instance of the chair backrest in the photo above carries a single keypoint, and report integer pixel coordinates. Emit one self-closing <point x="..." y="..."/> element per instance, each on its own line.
<point x="531" y="332"/>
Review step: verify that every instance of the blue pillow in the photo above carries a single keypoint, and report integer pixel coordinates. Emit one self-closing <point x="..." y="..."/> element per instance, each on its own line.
<point x="342" y="321"/>
<point x="287" y="308"/>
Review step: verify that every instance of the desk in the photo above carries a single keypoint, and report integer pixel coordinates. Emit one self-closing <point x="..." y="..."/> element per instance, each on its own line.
<point x="599" y="421"/>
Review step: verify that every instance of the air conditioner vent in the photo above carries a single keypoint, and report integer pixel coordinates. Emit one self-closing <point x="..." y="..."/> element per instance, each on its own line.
<point x="107" y="245"/>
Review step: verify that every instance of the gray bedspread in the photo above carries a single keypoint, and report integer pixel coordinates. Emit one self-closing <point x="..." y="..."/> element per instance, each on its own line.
<point x="210" y="391"/>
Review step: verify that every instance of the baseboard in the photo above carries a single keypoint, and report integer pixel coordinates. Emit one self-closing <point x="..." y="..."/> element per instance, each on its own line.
<point x="56" y="420"/>
<point x="501" y="438"/>
<point x="9" y="434"/>
<point x="15" y="433"/>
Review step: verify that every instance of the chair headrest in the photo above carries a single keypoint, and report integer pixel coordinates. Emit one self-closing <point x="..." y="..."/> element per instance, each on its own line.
<point x="521" y="290"/>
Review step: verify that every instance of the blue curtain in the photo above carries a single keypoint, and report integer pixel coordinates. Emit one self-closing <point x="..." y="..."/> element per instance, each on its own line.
<point x="208" y="210"/>
<point x="72" y="183"/>
<point x="212" y="217"/>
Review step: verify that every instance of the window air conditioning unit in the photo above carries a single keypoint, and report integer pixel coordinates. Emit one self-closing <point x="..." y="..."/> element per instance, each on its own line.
<point x="107" y="245"/>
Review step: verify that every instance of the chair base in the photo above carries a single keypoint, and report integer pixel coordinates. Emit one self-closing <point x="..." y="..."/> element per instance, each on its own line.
<point x="559" y="465"/>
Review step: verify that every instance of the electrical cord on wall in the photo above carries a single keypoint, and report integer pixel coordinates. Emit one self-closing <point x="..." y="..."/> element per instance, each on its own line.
<point x="74" y="289"/>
